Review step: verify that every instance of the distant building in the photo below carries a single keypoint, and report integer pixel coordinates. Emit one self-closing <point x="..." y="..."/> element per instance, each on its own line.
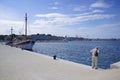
<point x="44" y="37"/>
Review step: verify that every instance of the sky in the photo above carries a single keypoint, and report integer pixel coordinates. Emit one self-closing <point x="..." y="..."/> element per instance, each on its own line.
<point x="81" y="18"/>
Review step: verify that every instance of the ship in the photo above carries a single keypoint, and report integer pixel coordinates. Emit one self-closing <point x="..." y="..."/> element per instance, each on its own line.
<point x="24" y="42"/>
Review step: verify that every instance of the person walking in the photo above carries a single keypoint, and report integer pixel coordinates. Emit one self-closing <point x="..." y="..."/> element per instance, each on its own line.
<point x="94" y="52"/>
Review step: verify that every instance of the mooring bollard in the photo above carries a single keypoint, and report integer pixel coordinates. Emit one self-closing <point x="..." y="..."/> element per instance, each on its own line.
<point x="54" y="57"/>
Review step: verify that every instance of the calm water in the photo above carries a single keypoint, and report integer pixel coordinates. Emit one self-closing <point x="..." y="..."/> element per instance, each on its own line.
<point x="78" y="51"/>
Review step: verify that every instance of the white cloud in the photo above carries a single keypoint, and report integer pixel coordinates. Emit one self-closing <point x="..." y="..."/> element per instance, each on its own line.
<point x="49" y="15"/>
<point x="54" y="8"/>
<point x="54" y="23"/>
<point x="80" y="8"/>
<point x="98" y="11"/>
<point x="57" y="19"/>
<point x="58" y="24"/>
<point x="99" y="4"/>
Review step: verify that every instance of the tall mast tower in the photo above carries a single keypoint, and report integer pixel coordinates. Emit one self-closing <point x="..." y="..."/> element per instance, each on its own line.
<point x="25" y="24"/>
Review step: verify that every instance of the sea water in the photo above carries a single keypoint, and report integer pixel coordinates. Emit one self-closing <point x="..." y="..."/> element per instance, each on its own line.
<point x="78" y="51"/>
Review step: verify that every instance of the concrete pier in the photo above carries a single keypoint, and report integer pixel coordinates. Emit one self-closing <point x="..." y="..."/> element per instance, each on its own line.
<point x="17" y="64"/>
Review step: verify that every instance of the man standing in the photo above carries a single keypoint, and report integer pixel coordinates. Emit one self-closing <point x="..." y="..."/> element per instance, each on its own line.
<point x="94" y="52"/>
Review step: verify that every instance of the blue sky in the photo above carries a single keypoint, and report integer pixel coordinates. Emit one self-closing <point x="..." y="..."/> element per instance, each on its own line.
<point x="86" y="18"/>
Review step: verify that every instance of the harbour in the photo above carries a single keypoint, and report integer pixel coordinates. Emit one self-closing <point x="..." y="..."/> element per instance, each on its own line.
<point x="78" y="51"/>
<point x="18" y="64"/>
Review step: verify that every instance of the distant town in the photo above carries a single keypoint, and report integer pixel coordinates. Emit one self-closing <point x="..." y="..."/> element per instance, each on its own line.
<point x="48" y="37"/>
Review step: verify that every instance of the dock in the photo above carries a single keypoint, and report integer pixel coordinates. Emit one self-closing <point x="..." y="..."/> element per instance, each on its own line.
<point x="18" y="64"/>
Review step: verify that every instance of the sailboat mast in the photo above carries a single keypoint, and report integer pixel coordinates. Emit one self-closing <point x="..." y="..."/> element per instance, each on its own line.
<point x="11" y="30"/>
<point x="25" y="24"/>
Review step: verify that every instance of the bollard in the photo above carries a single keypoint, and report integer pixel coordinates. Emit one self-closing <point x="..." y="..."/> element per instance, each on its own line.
<point x="54" y="57"/>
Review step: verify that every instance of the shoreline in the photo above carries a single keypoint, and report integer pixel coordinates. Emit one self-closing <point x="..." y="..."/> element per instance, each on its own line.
<point x="18" y="64"/>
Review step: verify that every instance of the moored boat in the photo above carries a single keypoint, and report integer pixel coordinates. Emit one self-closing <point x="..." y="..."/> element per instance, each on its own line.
<point x="24" y="42"/>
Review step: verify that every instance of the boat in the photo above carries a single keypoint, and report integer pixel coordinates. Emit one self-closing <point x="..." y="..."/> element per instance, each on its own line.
<point x="24" y="42"/>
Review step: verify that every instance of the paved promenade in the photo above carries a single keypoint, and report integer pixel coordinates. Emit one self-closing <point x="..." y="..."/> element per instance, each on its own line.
<point x="17" y="64"/>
